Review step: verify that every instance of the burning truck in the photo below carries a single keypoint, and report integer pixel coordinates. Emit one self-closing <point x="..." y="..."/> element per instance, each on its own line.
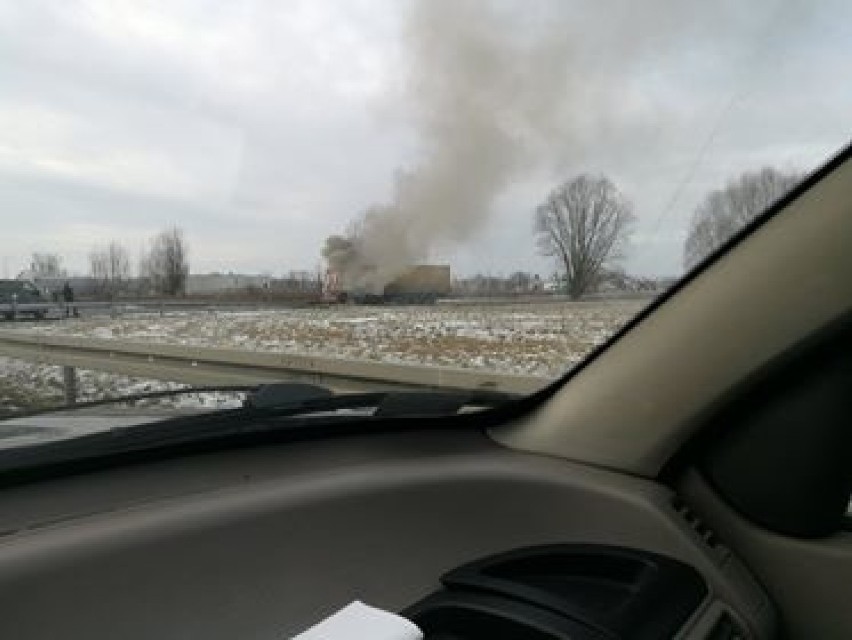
<point x="415" y="284"/>
<point x="373" y="264"/>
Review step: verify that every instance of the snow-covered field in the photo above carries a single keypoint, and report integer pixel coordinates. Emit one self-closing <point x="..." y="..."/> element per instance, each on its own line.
<point x="531" y="338"/>
<point x="28" y="386"/>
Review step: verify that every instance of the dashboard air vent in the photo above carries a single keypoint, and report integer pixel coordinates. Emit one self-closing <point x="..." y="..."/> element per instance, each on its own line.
<point x="707" y="535"/>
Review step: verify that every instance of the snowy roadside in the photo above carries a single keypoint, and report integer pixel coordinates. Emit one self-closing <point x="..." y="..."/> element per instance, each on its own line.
<point x="29" y="386"/>
<point x="531" y="339"/>
<point x="534" y="339"/>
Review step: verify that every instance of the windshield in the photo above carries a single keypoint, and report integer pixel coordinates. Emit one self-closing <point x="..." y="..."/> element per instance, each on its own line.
<point x="408" y="195"/>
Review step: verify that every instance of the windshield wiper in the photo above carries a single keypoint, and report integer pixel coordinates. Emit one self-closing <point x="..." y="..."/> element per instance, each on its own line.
<point x="261" y="419"/>
<point x="282" y="399"/>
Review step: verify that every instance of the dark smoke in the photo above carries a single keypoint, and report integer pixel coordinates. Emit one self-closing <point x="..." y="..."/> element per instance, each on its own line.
<point x="493" y="86"/>
<point x="479" y="100"/>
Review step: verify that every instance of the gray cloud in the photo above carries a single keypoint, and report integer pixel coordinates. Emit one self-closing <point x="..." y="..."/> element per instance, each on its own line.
<point x="262" y="127"/>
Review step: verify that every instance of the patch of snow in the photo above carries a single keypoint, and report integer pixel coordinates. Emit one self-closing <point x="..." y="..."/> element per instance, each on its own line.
<point x="533" y="338"/>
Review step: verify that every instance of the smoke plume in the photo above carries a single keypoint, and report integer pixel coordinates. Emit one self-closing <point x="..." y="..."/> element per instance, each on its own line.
<point x="490" y="87"/>
<point x="480" y="99"/>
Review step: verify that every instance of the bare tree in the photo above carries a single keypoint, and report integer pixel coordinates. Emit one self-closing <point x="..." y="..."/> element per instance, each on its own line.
<point x="723" y="212"/>
<point x="585" y="224"/>
<point x="110" y="266"/>
<point x="98" y="267"/>
<point x="168" y="263"/>
<point x="143" y="269"/>
<point x="119" y="263"/>
<point x="47" y="265"/>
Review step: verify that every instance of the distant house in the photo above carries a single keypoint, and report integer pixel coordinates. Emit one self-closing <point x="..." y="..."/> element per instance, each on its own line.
<point x="553" y="286"/>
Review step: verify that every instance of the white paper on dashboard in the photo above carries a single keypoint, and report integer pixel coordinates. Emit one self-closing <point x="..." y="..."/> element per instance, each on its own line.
<point x="358" y="621"/>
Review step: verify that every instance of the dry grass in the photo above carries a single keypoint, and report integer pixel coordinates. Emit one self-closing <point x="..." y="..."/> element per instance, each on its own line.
<point x="541" y="339"/>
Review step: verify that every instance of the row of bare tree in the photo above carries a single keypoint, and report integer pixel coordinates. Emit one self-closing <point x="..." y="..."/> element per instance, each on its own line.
<point x="725" y="211"/>
<point x="110" y="267"/>
<point x="162" y="269"/>
<point x="47" y="265"/>
<point x="585" y="223"/>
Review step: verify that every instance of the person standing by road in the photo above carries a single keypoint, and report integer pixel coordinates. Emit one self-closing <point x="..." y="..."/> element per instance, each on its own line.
<point x="68" y="297"/>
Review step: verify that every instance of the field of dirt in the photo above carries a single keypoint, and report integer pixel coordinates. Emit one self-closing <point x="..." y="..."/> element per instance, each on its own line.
<point x="529" y="338"/>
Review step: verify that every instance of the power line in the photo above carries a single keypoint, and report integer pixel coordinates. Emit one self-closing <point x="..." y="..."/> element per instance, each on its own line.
<point x="759" y="51"/>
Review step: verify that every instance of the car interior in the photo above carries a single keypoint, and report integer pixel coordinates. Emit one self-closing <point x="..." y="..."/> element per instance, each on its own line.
<point x="691" y="479"/>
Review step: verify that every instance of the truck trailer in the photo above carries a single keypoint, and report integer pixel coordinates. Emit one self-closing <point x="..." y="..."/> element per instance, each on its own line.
<point x="418" y="284"/>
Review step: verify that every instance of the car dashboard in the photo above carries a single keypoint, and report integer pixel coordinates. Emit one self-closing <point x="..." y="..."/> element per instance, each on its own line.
<point x="465" y="537"/>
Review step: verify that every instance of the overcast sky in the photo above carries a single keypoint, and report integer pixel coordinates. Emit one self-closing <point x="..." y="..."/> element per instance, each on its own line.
<point x="261" y="127"/>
